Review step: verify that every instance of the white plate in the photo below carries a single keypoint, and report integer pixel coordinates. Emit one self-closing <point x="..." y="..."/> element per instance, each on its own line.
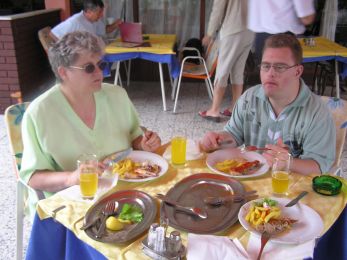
<point x="309" y="225"/>
<point x="233" y="153"/>
<point x="142" y="156"/>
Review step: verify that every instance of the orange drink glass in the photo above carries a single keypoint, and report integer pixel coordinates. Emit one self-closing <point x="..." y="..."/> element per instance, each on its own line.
<point x="178" y="150"/>
<point x="281" y="174"/>
<point x="88" y="165"/>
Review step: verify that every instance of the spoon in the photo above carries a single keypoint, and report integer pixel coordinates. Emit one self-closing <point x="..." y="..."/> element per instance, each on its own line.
<point x="199" y="212"/>
<point x="265" y="237"/>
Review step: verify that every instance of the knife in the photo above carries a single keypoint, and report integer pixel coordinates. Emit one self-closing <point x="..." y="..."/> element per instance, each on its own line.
<point x="119" y="156"/>
<point x="90" y="224"/>
<point x="299" y="197"/>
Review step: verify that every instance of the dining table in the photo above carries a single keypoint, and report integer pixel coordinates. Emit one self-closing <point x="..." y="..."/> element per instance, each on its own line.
<point x="61" y="237"/>
<point x="156" y="47"/>
<point x="323" y="49"/>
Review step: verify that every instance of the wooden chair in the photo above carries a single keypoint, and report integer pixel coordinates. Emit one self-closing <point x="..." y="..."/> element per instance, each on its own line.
<point x="338" y="108"/>
<point x="204" y="70"/>
<point x="13" y="120"/>
<point x="45" y="37"/>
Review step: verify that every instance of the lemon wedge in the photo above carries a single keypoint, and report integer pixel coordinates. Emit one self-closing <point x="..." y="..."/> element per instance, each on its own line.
<point x="112" y="223"/>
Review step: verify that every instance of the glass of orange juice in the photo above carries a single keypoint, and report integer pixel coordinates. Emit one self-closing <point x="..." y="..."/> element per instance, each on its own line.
<point x="178" y="150"/>
<point x="88" y="166"/>
<point x="281" y="173"/>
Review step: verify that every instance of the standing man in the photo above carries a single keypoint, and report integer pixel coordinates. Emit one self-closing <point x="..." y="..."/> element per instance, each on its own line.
<point x="89" y="19"/>
<point x="230" y="18"/>
<point x="282" y="113"/>
<point x="268" y="17"/>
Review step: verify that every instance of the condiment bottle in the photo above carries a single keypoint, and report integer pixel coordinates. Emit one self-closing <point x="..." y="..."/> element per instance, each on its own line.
<point x="174" y="243"/>
<point x="152" y="235"/>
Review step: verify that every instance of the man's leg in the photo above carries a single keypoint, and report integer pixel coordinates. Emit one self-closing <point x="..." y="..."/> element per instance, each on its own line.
<point x="218" y="94"/>
<point x="236" y="91"/>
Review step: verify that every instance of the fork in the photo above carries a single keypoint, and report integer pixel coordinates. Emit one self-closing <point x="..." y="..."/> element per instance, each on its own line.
<point x="108" y="210"/>
<point x="217" y="201"/>
<point x="252" y="148"/>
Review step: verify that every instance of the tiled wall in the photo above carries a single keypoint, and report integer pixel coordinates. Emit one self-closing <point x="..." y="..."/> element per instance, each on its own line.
<point x="24" y="67"/>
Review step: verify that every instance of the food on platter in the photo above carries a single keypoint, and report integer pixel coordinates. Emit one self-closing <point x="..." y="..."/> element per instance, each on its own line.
<point x="130" y="214"/>
<point x="238" y="166"/>
<point x="129" y="169"/>
<point x="265" y="215"/>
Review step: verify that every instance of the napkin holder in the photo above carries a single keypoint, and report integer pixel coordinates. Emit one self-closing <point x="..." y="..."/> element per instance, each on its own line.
<point x="165" y="255"/>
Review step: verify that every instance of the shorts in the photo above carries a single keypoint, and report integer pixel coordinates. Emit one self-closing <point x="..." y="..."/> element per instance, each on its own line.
<point x="233" y="52"/>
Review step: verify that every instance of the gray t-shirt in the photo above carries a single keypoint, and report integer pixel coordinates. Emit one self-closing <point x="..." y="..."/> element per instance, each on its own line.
<point x="305" y="125"/>
<point x="78" y="22"/>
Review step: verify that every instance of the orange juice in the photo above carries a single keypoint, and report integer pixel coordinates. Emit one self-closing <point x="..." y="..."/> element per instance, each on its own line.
<point x="280" y="182"/>
<point x="88" y="184"/>
<point x="178" y="150"/>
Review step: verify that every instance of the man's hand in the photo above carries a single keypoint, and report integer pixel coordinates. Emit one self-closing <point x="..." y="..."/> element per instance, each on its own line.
<point x="212" y="140"/>
<point x="206" y="41"/>
<point x="275" y="149"/>
<point x="150" y="141"/>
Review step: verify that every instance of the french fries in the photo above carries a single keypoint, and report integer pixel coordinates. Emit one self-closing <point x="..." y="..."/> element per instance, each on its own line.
<point x="260" y="215"/>
<point x="225" y="165"/>
<point x="124" y="166"/>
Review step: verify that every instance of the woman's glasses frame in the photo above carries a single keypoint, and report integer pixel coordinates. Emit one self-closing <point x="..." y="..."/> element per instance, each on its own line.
<point x="90" y="67"/>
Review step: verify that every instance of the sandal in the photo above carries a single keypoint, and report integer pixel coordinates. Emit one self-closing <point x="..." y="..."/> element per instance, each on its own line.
<point x="204" y="115"/>
<point x="226" y="113"/>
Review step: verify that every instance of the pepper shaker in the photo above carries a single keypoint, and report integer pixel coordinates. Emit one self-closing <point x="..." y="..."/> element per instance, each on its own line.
<point x="174" y="242"/>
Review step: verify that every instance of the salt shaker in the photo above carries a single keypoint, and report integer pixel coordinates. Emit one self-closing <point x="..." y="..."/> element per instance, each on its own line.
<point x="159" y="245"/>
<point x="152" y="235"/>
<point x="174" y="243"/>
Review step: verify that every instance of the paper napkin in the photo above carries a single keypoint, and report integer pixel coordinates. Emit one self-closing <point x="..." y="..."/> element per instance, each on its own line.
<point x="210" y="247"/>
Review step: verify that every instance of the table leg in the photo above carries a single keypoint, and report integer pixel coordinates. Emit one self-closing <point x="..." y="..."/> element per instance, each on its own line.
<point x="116" y="73"/>
<point x="162" y="85"/>
<point x="337" y="79"/>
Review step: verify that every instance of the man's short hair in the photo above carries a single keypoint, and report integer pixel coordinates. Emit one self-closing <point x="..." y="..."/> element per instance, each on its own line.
<point x="284" y="40"/>
<point x="92" y="4"/>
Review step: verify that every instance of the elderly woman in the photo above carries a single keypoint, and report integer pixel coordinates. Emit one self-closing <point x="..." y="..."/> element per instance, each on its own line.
<point x="78" y="115"/>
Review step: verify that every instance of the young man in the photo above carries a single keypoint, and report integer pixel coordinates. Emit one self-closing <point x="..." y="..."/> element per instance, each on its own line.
<point x="89" y="19"/>
<point x="282" y="113"/>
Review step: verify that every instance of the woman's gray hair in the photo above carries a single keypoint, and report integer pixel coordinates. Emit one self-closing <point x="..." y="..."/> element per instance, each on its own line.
<point x="68" y="49"/>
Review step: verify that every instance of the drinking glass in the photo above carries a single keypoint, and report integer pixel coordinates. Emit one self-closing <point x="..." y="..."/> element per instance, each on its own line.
<point x="178" y="150"/>
<point x="281" y="173"/>
<point x="88" y="166"/>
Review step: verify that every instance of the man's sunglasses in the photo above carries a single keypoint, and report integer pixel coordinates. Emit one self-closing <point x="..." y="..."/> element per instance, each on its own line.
<point x="90" y="67"/>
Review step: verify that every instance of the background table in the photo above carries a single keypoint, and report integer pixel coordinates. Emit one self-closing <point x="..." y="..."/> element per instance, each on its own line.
<point x="161" y="51"/>
<point x="329" y="208"/>
<point x="324" y="50"/>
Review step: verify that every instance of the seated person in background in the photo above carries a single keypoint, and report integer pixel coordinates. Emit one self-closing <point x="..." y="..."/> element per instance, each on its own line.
<point x="282" y="113"/>
<point x="78" y="115"/>
<point x="89" y="19"/>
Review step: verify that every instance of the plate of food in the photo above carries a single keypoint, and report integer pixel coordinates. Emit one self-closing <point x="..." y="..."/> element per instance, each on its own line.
<point x="140" y="166"/>
<point x="287" y="225"/>
<point x="135" y="212"/>
<point x="234" y="163"/>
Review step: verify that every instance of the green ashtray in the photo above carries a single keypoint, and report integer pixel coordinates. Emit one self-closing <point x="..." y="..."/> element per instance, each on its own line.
<point x="326" y="185"/>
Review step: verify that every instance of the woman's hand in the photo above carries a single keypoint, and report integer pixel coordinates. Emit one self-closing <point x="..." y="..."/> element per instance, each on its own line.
<point x="150" y="141"/>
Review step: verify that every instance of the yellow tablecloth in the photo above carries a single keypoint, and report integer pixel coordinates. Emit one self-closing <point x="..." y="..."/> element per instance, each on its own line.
<point x="160" y="44"/>
<point x="329" y="208"/>
<point x="323" y="47"/>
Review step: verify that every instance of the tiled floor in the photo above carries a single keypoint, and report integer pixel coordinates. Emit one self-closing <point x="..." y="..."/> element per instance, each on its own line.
<point x="147" y="99"/>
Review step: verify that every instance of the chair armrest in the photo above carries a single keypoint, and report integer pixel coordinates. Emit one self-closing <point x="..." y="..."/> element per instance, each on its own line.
<point x="39" y="193"/>
<point x="190" y="49"/>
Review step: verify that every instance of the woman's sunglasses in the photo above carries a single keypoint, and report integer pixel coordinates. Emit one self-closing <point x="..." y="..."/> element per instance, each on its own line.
<point x="90" y="67"/>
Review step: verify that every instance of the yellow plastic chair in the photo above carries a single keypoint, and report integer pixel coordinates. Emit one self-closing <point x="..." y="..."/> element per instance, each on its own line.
<point x="204" y="70"/>
<point x="45" y="37"/>
<point x="338" y="108"/>
<point x="13" y="120"/>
